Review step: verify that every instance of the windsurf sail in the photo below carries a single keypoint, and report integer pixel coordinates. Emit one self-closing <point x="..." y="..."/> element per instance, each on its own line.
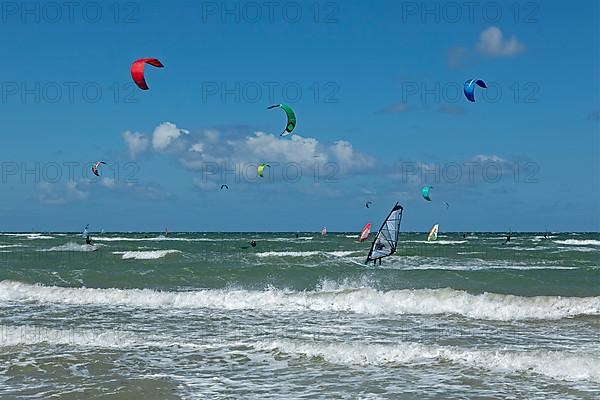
<point x="85" y="232"/>
<point x="324" y="231"/>
<point x="364" y="235"/>
<point x="433" y="233"/>
<point x="386" y="240"/>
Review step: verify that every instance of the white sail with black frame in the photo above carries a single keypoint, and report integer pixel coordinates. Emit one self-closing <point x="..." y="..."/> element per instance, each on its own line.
<point x="386" y="240"/>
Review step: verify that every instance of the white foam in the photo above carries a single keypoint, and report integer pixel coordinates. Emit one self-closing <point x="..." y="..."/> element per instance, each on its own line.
<point x="286" y="239"/>
<point x="32" y="335"/>
<point x="448" y="241"/>
<point x="145" y="255"/>
<point x="72" y="247"/>
<point x="30" y="236"/>
<point x="304" y="253"/>
<point x="435" y="241"/>
<point x="287" y="254"/>
<point x="555" y="364"/>
<point x="580" y="249"/>
<point x="576" y="242"/>
<point x="363" y="300"/>
<point x="151" y="239"/>
<point x="342" y="253"/>
<point x="465" y="264"/>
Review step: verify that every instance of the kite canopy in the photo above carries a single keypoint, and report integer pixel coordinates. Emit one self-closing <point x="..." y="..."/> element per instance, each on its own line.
<point x="368" y="204"/>
<point x="425" y="192"/>
<point x="224" y="187"/>
<point x="446" y="204"/>
<point x="137" y="71"/>
<point x="291" y="117"/>
<point x="95" y="169"/>
<point x="261" y="169"/>
<point x="469" y="88"/>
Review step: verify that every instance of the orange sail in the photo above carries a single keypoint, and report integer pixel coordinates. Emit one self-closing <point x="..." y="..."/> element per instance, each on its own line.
<point x="364" y="235"/>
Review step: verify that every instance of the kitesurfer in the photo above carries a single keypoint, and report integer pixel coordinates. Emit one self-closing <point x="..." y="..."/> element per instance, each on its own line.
<point x="507" y="238"/>
<point x="253" y="243"/>
<point x="378" y="247"/>
<point x="88" y="240"/>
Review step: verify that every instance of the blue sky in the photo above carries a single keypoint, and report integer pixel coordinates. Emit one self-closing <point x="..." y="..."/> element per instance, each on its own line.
<point x="379" y="105"/>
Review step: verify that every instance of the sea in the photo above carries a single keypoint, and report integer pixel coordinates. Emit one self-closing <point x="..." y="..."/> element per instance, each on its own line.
<point x="299" y="316"/>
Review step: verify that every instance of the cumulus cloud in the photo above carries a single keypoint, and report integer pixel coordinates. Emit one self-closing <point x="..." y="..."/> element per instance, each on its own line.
<point x="166" y="134"/>
<point x="147" y="190"/>
<point x="457" y="175"/>
<point x="197" y="147"/>
<point x="235" y="150"/>
<point x="136" y="143"/>
<point x="59" y="193"/>
<point x="492" y="43"/>
<point x="349" y="159"/>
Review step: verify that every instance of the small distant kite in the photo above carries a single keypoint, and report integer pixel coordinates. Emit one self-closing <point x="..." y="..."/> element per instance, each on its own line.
<point x="291" y="117"/>
<point x="425" y="192"/>
<point x="368" y="204"/>
<point x="446" y="204"/>
<point x="224" y="187"/>
<point x="96" y="166"/>
<point x="261" y="169"/>
<point x="469" y="88"/>
<point x="137" y="71"/>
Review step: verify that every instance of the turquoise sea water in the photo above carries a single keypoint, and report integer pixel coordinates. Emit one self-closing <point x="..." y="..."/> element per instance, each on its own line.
<point x="197" y="315"/>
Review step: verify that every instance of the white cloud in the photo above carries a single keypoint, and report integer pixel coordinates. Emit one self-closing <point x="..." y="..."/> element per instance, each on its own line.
<point x="165" y="134"/>
<point x="492" y="43"/>
<point x="59" y="193"/>
<point x="235" y="151"/>
<point x="263" y="146"/>
<point x="107" y="182"/>
<point x="197" y="147"/>
<point x="482" y="158"/>
<point x="349" y="159"/>
<point x="136" y="142"/>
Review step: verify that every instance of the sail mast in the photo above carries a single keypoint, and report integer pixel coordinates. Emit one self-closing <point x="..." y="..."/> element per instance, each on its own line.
<point x="386" y="240"/>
